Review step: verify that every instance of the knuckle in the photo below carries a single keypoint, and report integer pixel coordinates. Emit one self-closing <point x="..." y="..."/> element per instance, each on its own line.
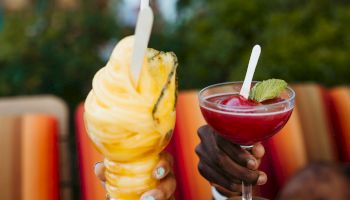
<point x="201" y="131"/>
<point x="161" y="194"/>
<point x="169" y="158"/>
<point x="242" y="158"/>
<point x="202" y="169"/>
<point x="236" y="187"/>
<point x="222" y="161"/>
<point x="217" y="151"/>
<point x="198" y="149"/>
<point x="201" y="135"/>
<point x="250" y="177"/>
<point x="216" y="157"/>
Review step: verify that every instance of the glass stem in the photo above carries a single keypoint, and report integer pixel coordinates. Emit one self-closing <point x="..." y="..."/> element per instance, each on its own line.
<point x="247" y="191"/>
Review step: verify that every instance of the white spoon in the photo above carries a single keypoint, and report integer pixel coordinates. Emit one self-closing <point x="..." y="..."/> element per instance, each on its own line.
<point x="142" y="35"/>
<point x="253" y="61"/>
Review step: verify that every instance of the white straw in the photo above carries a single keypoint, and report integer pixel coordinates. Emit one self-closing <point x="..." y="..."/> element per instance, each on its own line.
<point x="142" y="35"/>
<point x="144" y="4"/>
<point x="253" y="61"/>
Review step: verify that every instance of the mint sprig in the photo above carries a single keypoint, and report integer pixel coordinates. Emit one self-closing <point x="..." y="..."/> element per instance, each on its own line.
<point x="268" y="89"/>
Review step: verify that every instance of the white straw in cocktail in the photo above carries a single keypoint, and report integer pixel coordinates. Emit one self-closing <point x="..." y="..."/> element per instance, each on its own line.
<point x="144" y="4"/>
<point x="253" y="61"/>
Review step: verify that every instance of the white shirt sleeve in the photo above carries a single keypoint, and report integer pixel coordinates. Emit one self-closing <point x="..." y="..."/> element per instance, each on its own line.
<point x="217" y="195"/>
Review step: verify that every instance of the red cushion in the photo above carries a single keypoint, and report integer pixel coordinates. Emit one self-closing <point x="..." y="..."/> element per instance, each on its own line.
<point x="191" y="184"/>
<point x="340" y="98"/>
<point x="91" y="188"/>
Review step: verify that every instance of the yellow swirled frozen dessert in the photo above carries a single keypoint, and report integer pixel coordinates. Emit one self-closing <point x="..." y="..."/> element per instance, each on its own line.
<point x="130" y="124"/>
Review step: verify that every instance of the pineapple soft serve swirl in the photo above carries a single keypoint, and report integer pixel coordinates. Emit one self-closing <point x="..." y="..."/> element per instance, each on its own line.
<point x="131" y="124"/>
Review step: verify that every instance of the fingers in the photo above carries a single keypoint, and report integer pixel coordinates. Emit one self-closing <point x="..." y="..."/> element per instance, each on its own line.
<point x="221" y="170"/>
<point x="236" y="153"/>
<point x="167" y="185"/>
<point x="210" y="138"/>
<point x="203" y="130"/>
<point x="163" y="167"/>
<point x="214" y="176"/>
<point x="262" y="178"/>
<point x="237" y="171"/>
<point x="250" y="159"/>
<point x="228" y="193"/>
<point x="99" y="170"/>
<point x="161" y="172"/>
<point x="224" y="163"/>
<point x="258" y="151"/>
<point x="167" y="157"/>
<point x="240" y="198"/>
<point x="164" y="191"/>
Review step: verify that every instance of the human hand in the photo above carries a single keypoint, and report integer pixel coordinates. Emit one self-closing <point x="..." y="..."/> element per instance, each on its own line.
<point x="163" y="172"/>
<point x="225" y="165"/>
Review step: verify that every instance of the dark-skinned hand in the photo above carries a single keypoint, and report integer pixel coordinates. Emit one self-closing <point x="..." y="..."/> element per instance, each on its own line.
<point x="225" y="165"/>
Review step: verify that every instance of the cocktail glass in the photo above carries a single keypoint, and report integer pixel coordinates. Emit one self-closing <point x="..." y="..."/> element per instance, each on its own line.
<point x="244" y="125"/>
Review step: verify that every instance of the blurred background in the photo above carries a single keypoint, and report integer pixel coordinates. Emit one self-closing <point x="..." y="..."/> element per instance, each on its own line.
<point x="56" y="46"/>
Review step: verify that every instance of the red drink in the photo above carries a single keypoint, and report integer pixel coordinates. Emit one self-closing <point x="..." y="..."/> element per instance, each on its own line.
<point x="242" y="121"/>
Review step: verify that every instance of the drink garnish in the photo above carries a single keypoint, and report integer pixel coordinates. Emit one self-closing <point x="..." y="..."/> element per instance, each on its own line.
<point x="238" y="100"/>
<point x="268" y="89"/>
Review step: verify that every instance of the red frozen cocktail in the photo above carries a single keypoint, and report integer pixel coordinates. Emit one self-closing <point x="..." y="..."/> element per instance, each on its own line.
<point x="241" y="120"/>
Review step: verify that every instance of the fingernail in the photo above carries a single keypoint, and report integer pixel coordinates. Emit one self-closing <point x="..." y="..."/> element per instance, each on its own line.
<point x="148" y="198"/>
<point x="261" y="180"/>
<point x="160" y="171"/>
<point x="251" y="164"/>
<point x="97" y="164"/>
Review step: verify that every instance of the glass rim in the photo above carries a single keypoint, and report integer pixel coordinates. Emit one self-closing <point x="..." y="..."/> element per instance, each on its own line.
<point x="243" y="108"/>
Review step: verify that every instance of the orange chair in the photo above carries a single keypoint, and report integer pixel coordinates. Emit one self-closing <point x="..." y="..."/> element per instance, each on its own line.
<point x="318" y="130"/>
<point x="33" y="130"/>
<point x="29" y="150"/>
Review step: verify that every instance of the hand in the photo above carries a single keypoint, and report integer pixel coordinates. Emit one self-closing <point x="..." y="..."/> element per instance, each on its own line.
<point x="162" y="172"/>
<point x="225" y="165"/>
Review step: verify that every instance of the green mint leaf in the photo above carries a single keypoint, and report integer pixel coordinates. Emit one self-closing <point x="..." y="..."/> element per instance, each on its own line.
<point x="268" y="89"/>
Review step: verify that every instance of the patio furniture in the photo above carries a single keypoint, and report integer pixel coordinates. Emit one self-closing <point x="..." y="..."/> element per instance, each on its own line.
<point x="35" y="149"/>
<point x="319" y="130"/>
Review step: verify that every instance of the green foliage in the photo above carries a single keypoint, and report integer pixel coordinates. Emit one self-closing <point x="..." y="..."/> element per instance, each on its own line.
<point x="301" y="41"/>
<point x="57" y="51"/>
<point x="54" y="52"/>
